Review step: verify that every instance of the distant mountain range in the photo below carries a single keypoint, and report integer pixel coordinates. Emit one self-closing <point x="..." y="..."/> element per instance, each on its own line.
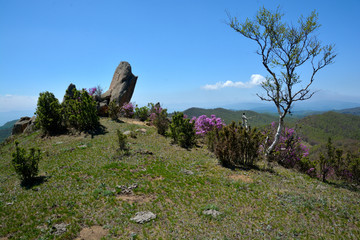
<point x="301" y="108"/>
<point x="254" y="119"/>
<point x="5" y="130"/>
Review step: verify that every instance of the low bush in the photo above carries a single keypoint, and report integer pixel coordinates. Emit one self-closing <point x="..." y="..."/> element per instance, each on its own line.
<point x="122" y="141"/>
<point x="204" y="124"/>
<point x="142" y="113"/>
<point x="290" y="150"/>
<point x="236" y="146"/>
<point x="127" y="110"/>
<point x="48" y="113"/>
<point x="182" y="130"/>
<point x="26" y="165"/>
<point x="114" y="110"/>
<point x="159" y="118"/>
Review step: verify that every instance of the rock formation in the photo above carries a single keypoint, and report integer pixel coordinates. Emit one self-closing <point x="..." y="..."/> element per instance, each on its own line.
<point x="122" y="85"/>
<point x="22" y="124"/>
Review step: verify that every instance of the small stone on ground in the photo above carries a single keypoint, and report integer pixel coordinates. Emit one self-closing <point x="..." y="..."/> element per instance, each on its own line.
<point x="211" y="212"/>
<point x="59" y="229"/>
<point x="188" y="172"/>
<point x="143" y="217"/>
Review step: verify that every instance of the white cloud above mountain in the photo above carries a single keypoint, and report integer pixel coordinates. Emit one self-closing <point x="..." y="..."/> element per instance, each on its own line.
<point x="255" y="80"/>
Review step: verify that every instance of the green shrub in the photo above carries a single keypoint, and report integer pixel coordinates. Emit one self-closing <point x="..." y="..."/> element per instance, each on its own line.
<point x="80" y="111"/>
<point x="142" y="113"/>
<point x="158" y="118"/>
<point x="236" y="146"/>
<point x="182" y="131"/>
<point x="114" y="110"/>
<point x="26" y="165"/>
<point x="48" y="112"/>
<point x="354" y="168"/>
<point x="122" y="141"/>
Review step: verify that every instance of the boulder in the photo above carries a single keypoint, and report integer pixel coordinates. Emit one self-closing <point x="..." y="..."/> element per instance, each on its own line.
<point x="103" y="109"/>
<point x="31" y="126"/>
<point x="122" y="85"/>
<point x="20" y="125"/>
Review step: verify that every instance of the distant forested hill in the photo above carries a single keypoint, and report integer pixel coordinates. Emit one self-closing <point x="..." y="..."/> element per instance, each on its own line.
<point x="344" y="130"/>
<point x="353" y="111"/>
<point x="5" y="130"/>
<point x="338" y="126"/>
<point x="254" y="119"/>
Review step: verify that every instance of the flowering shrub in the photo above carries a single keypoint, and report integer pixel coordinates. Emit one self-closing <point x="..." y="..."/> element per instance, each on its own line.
<point x="127" y="110"/>
<point x="289" y="151"/>
<point x="158" y="118"/>
<point x="91" y="91"/>
<point x="203" y="124"/>
<point x="182" y="130"/>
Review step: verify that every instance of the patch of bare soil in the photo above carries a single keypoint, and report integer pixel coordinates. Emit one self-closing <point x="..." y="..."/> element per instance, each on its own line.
<point x="136" y="198"/>
<point x="243" y="178"/>
<point x="133" y="121"/>
<point x="93" y="233"/>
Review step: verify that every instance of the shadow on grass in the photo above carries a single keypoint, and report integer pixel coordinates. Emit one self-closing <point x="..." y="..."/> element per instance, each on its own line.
<point x="33" y="182"/>
<point x="345" y="185"/>
<point x="101" y="130"/>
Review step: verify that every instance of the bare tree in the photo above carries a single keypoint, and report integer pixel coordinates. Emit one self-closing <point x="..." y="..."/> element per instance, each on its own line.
<point x="284" y="48"/>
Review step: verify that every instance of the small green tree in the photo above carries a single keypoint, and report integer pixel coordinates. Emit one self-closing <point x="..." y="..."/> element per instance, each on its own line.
<point x="26" y="165"/>
<point x="159" y="118"/>
<point x="327" y="162"/>
<point x="48" y="113"/>
<point x="114" y="110"/>
<point x="80" y="111"/>
<point x="284" y="48"/>
<point x="182" y="130"/>
<point x="142" y="113"/>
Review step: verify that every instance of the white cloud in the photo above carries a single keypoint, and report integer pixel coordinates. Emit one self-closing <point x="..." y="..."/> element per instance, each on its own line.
<point x="17" y="103"/>
<point x="255" y="80"/>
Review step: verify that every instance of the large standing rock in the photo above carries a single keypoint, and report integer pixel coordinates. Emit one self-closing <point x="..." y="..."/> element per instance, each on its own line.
<point x="122" y="85"/>
<point x="20" y="125"/>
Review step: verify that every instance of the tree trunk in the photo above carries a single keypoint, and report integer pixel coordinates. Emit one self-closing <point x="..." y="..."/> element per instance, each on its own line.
<point x="276" y="139"/>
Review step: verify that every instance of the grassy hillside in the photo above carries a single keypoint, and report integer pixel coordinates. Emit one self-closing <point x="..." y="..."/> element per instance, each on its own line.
<point x="318" y="128"/>
<point x="5" y="130"/>
<point x="254" y="119"/>
<point x="77" y="192"/>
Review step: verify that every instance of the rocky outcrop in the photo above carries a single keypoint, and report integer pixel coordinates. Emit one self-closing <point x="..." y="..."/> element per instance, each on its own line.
<point x="21" y="125"/>
<point x="122" y="85"/>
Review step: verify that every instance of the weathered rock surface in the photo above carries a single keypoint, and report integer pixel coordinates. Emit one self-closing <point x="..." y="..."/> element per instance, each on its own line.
<point x="20" y="125"/>
<point x="143" y="217"/>
<point x="31" y="126"/>
<point x="211" y="212"/>
<point x="103" y="109"/>
<point x="122" y="85"/>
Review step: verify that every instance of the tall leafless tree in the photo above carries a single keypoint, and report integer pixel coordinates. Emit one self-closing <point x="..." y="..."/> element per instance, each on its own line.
<point x="283" y="49"/>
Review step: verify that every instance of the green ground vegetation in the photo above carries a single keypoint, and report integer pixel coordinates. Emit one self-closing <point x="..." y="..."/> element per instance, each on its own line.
<point x="79" y="178"/>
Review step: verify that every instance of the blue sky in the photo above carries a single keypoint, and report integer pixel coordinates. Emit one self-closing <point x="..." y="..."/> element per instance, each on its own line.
<point x="178" y="49"/>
